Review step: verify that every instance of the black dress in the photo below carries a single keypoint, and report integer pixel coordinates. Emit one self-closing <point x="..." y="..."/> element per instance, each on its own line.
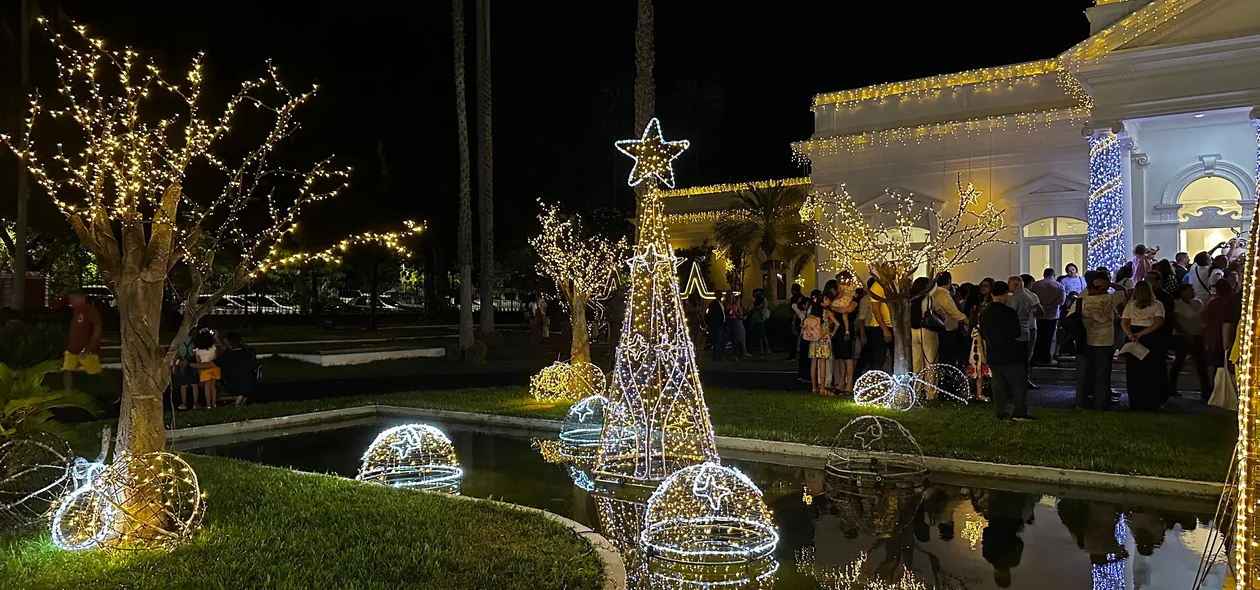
<point x="842" y="349"/>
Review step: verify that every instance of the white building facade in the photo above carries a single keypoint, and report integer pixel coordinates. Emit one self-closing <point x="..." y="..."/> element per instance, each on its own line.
<point x="1144" y="133"/>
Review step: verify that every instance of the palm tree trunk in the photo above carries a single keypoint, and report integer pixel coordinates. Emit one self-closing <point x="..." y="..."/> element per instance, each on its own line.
<point x="485" y="168"/>
<point x="465" y="194"/>
<point x="644" y="87"/>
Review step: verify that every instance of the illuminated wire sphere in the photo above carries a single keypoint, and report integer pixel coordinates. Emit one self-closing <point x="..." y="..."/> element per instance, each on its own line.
<point x="875" y="476"/>
<point x="82" y="518"/>
<point x="34" y="472"/>
<point x="150" y="501"/>
<point x="708" y="514"/>
<point x="875" y="445"/>
<point x="412" y="456"/>
<point x="563" y="381"/>
<point x="904" y="392"/>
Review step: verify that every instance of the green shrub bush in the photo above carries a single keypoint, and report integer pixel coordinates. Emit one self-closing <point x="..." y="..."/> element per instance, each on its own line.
<point x="27" y="343"/>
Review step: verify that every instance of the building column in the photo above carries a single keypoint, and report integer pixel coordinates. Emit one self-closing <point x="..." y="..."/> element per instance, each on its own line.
<point x="1106" y="208"/>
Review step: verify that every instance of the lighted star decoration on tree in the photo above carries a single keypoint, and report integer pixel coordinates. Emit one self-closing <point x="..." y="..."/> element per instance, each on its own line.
<point x="653" y="156"/>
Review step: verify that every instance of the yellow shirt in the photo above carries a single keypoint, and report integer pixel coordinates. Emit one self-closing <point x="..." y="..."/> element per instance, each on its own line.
<point x="878" y="308"/>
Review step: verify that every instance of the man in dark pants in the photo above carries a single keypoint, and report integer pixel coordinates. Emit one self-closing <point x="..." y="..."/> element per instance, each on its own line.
<point x="715" y="316"/>
<point x="794" y="345"/>
<point x="1007" y="355"/>
<point x="1093" y="361"/>
<point x="879" y="334"/>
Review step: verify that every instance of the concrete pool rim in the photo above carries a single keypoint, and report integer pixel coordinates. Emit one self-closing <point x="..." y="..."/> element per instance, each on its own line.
<point x="799" y="451"/>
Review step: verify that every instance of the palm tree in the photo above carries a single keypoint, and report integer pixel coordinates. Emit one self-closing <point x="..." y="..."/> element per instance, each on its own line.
<point x="644" y="87"/>
<point x="766" y="220"/>
<point x="485" y="169"/>
<point x="465" y="194"/>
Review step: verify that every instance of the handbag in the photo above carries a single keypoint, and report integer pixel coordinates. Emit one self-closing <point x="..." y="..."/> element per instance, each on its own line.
<point x="1224" y="392"/>
<point x="932" y="320"/>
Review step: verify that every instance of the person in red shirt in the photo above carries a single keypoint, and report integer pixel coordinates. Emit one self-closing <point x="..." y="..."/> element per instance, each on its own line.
<point x="84" y="346"/>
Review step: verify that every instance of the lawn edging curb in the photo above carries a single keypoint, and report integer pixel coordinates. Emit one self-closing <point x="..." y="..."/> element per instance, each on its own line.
<point x="1028" y="473"/>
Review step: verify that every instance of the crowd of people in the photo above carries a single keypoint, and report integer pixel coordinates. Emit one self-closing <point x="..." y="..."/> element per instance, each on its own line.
<point x="1151" y="314"/>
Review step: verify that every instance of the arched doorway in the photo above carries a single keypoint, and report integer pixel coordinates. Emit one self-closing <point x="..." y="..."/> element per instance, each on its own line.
<point x="1211" y="211"/>
<point x="1054" y="242"/>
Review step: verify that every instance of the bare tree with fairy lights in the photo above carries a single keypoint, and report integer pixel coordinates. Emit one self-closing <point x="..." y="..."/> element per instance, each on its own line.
<point x="584" y="267"/>
<point x="140" y="170"/>
<point x="894" y="252"/>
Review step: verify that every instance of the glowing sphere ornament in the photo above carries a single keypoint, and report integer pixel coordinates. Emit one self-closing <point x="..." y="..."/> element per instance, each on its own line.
<point x="564" y="381"/>
<point x="708" y="514"/>
<point x="412" y="456"/>
<point x="138" y="502"/>
<point x="904" y="392"/>
<point x="82" y="518"/>
<point x="34" y="472"/>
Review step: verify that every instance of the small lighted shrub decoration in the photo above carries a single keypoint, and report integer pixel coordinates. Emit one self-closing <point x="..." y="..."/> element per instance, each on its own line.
<point x="150" y="501"/>
<point x="708" y="514"/>
<point x="563" y="381"/>
<point x="412" y="456"/>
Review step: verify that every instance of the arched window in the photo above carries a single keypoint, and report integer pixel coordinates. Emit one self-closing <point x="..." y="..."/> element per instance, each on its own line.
<point x="1210" y="213"/>
<point x="1054" y="242"/>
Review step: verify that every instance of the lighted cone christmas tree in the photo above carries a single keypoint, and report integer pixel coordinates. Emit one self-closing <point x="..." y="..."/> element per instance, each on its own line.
<point x="656" y="421"/>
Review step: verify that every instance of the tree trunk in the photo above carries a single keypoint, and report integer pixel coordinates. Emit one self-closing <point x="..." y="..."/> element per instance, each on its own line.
<point x="644" y="87"/>
<point x="465" y="195"/>
<point x="580" y="348"/>
<point x="20" y="240"/>
<point x="902" y="348"/>
<point x="145" y="372"/>
<point x="485" y="168"/>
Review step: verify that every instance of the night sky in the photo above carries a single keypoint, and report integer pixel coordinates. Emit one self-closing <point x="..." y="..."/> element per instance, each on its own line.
<point x="737" y="82"/>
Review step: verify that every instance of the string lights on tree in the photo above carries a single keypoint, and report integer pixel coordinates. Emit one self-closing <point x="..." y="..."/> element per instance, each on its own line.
<point x="128" y="140"/>
<point x="893" y="252"/>
<point x="390" y="241"/>
<point x="656" y="421"/>
<point x="583" y="266"/>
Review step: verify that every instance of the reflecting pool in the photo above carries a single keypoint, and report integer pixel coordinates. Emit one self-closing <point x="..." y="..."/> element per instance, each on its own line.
<point x="942" y="533"/>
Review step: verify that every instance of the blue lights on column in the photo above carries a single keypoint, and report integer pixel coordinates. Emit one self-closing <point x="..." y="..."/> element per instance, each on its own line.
<point x="1106" y="202"/>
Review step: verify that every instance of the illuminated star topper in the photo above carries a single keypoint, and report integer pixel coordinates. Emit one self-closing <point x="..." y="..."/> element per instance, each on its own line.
<point x="653" y="156"/>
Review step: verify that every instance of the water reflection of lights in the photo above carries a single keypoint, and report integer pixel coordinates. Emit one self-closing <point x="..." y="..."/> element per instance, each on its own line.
<point x="708" y="514"/>
<point x="1110" y="576"/>
<point x="412" y="456"/>
<point x="973" y="529"/>
<point x="853" y="576"/>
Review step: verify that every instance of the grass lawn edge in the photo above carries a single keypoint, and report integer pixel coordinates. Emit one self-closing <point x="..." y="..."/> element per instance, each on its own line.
<point x="272" y="526"/>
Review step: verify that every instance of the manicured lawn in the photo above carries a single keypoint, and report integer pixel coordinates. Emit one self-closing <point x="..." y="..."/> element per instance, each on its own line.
<point x="1194" y="447"/>
<point x="275" y="528"/>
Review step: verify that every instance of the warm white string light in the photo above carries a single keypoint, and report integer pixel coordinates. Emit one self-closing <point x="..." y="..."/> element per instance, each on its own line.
<point x="417" y="456"/>
<point x="657" y="421"/>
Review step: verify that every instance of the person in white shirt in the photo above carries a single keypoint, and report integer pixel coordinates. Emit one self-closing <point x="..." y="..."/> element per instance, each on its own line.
<point x="1145" y="378"/>
<point x="1097" y="307"/>
<point x="1026" y="306"/>
<point x="950" y="342"/>
<point x="1187" y="338"/>
<point x="1204" y="274"/>
<point x="1073" y="282"/>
